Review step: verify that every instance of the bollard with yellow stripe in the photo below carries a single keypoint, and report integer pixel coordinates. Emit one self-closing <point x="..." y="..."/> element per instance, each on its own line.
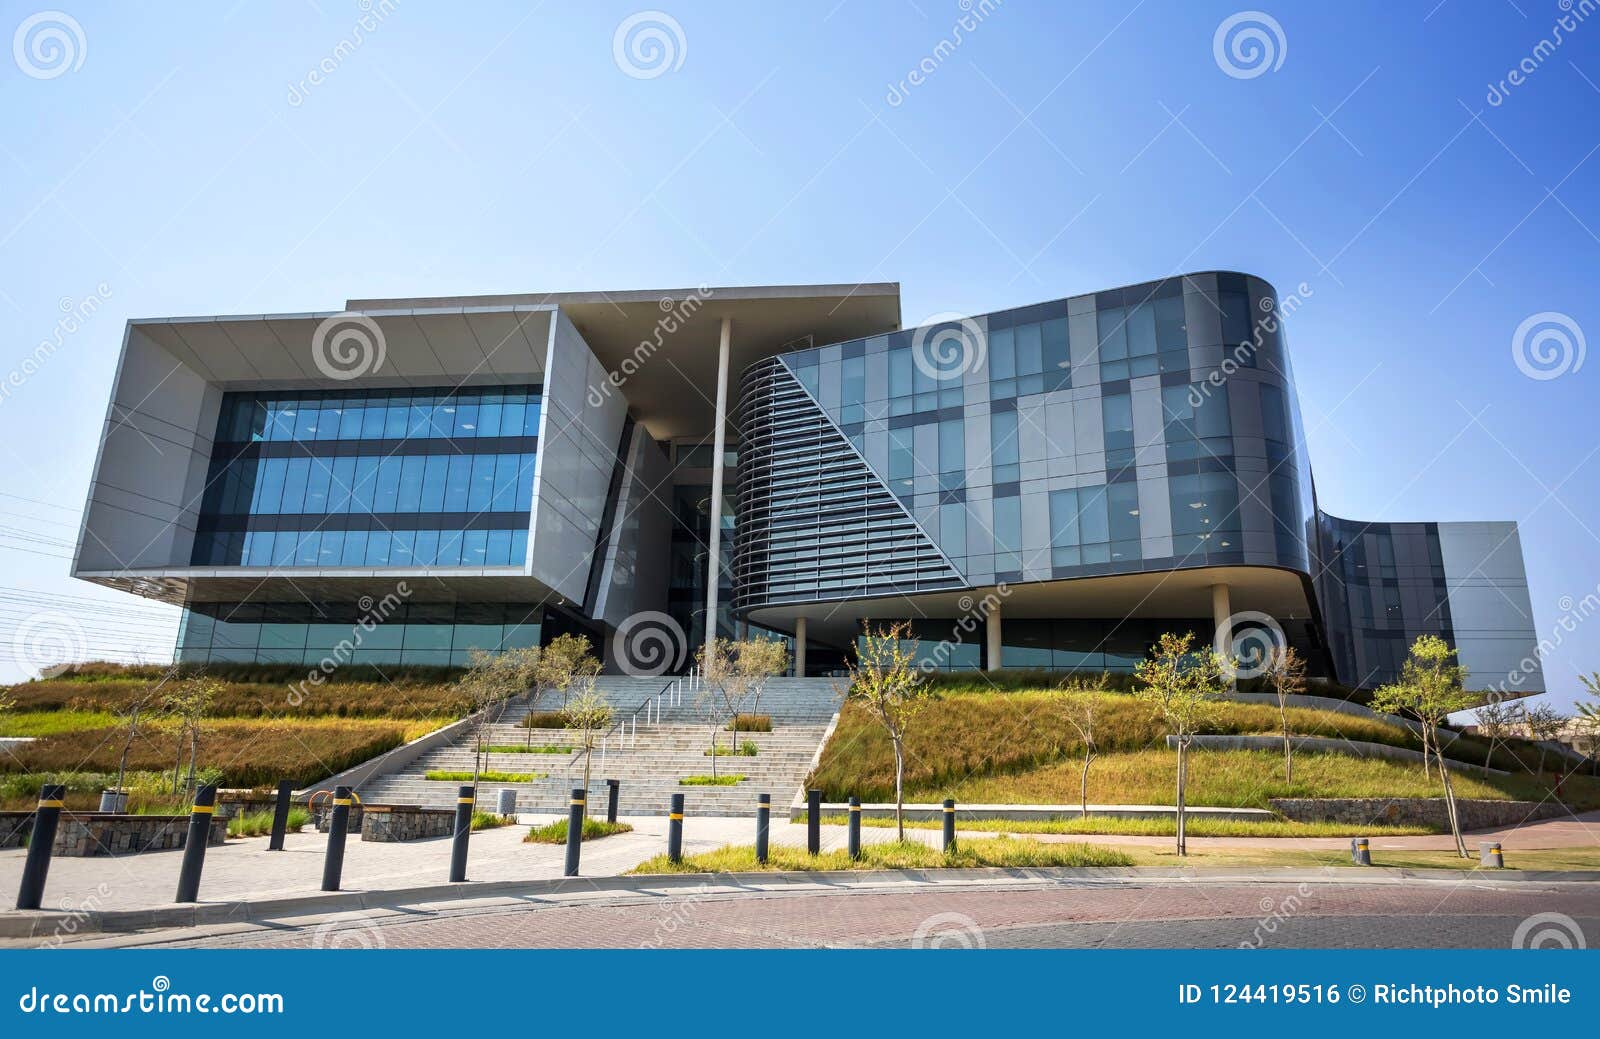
<point x="41" y="845"/>
<point x="1489" y="855"/>
<point x="466" y="798"/>
<point x="949" y="835"/>
<point x="338" y="829"/>
<point x="854" y="828"/>
<point x="194" y="844"/>
<point x="1360" y="851"/>
<point x="575" y="829"/>
<point x="675" y="830"/>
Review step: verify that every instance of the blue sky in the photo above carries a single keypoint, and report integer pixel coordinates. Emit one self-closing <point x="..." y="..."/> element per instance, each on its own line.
<point x="180" y="161"/>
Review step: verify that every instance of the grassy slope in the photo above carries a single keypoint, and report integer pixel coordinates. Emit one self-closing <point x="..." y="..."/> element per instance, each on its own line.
<point x="260" y="729"/>
<point x="1015" y="747"/>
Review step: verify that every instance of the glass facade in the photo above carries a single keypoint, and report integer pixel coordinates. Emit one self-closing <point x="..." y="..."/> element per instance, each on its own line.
<point x="1143" y="429"/>
<point x="438" y="634"/>
<point x="417" y="478"/>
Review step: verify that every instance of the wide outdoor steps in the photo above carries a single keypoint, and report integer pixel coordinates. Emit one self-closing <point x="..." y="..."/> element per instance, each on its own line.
<point x="647" y="760"/>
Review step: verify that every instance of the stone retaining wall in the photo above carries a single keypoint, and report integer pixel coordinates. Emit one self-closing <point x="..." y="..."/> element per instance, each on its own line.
<point x="1413" y="811"/>
<point x="322" y="815"/>
<point x="388" y="823"/>
<point x="83" y="834"/>
<point x="14" y="828"/>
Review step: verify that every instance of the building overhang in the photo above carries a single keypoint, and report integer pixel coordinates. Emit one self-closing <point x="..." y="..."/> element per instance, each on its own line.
<point x="1282" y="594"/>
<point x="187" y="585"/>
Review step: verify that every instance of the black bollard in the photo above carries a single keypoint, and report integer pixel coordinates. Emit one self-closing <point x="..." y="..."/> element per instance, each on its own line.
<point x="675" y="830"/>
<point x="46" y="817"/>
<point x="763" y="825"/>
<point x="280" y="816"/>
<point x="466" y="797"/>
<point x="855" y="828"/>
<point x="1360" y="851"/>
<point x="613" y="790"/>
<point x="575" y="830"/>
<point x="194" y="845"/>
<point x="1490" y="856"/>
<point x="949" y="825"/>
<point x="813" y="821"/>
<point x="338" y="822"/>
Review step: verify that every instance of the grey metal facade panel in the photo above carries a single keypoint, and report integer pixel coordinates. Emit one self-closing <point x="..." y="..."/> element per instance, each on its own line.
<point x="1180" y="389"/>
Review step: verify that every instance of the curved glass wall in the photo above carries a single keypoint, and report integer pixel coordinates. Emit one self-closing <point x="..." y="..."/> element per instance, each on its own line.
<point x="414" y="478"/>
<point x="1143" y="429"/>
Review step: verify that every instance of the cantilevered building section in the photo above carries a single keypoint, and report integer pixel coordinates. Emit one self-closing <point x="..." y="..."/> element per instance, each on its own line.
<point x="1045" y="487"/>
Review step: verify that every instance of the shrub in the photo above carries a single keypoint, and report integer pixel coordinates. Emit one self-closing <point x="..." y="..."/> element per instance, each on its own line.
<point x="556" y="832"/>
<point x="259" y="824"/>
<point x="544" y="720"/>
<point x="446" y="776"/>
<point x="711" y="780"/>
<point x="518" y="748"/>
<point x="490" y="821"/>
<point x="750" y="723"/>
<point x="747" y="749"/>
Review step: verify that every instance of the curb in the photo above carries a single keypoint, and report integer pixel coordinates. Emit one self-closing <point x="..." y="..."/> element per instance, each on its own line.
<point x="43" y="924"/>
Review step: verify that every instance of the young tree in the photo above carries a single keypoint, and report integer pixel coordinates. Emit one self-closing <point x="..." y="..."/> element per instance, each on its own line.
<point x="725" y="689"/>
<point x="1431" y="688"/>
<point x="589" y="716"/>
<point x="132" y="715"/>
<point x="566" y="660"/>
<point x="189" y="703"/>
<point x="1498" y="719"/>
<point x="1079" y="705"/>
<point x="1182" y="684"/>
<point x="1544" y="723"/>
<point x="1588" y="718"/>
<point x="490" y="682"/>
<point x="761" y="660"/>
<point x="1286" y="673"/>
<point x="885" y="679"/>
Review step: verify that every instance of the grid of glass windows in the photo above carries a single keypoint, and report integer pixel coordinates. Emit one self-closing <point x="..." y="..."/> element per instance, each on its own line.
<point x="440" y="634"/>
<point x="419" y="478"/>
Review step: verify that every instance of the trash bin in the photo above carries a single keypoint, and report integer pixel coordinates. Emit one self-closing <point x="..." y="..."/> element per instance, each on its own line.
<point x="115" y="801"/>
<point x="508" y="802"/>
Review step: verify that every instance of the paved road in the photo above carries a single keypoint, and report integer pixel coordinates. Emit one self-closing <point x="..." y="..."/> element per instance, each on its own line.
<point x="1135" y="913"/>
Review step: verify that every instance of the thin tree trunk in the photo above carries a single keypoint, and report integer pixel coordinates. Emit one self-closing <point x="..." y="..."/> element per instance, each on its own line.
<point x="1450" y="808"/>
<point x="1288" y="747"/>
<point x="1083" y="791"/>
<point x="1183" y="763"/>
<point x="899" y="789"/>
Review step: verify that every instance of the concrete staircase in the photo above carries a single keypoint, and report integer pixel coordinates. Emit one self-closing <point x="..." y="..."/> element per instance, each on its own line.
<point x="661" y="736"/>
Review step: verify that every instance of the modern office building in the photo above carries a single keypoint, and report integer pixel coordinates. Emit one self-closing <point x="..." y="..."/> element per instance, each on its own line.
<point x="1046" y="487"/>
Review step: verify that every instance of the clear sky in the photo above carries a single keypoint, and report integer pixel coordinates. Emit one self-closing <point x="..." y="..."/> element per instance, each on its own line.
<point x="181" y="159"/>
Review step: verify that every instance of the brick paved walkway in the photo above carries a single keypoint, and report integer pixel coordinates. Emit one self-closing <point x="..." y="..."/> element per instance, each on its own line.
<point x="1124" y="914"/>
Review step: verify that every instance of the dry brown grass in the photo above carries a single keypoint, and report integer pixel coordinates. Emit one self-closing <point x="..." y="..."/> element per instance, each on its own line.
<point x="249" y="752"/>
<point x="1017" y="747"/>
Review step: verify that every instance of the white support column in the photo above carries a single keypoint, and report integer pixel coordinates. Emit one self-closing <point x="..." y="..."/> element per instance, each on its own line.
<point x="1221" y="611"/>
<point x="800" y="647"/>
<point x="992" y="634"/>
<point x="714" y="549"/>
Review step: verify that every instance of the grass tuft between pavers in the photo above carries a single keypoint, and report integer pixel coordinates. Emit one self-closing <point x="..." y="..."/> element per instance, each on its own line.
<point x="556" y="832"/>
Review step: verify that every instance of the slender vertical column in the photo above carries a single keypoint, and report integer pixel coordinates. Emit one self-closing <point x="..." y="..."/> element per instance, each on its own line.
<point x="1221" y="610"/>
<point x="800" y="647"/>
<point x="714" y="549"/>
<point x="992" y="633"/>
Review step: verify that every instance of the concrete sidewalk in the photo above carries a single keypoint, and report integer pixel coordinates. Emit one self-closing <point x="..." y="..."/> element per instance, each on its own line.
<point x="243" y="880"/>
